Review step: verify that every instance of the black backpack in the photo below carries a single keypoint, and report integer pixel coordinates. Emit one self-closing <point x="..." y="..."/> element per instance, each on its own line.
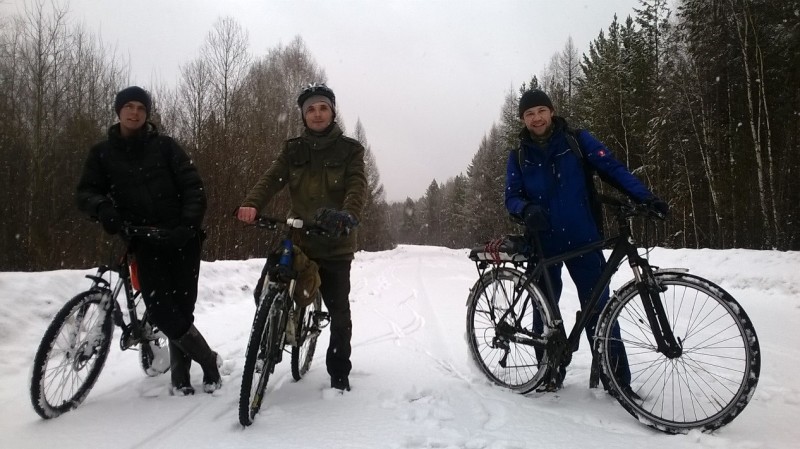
<point x="588" y="174"/>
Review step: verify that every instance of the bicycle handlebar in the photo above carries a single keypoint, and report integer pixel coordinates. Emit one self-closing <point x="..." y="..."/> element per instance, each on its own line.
<point x="272" y="223"/>
<point x="264" y="221"/>
<point x="625" y="209"/>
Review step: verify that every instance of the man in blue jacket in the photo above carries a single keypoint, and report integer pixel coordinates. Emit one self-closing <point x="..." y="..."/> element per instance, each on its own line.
<point x="546" y="186"/>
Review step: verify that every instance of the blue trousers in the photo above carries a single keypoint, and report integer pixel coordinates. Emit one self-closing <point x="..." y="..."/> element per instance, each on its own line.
<point x="585" y="271"/>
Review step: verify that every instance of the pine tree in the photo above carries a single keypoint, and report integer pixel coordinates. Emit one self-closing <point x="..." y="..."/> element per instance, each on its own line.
<point x="373" y="231"/>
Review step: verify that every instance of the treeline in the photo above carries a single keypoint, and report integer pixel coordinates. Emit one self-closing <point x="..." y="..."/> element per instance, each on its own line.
<point x="231" y="110"/>
<point x="702" y="103"/>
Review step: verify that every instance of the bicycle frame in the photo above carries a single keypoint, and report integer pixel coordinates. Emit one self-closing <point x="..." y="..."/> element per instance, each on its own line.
<point x="131" y="331"/>
<point x="624" y="246"/>
<point x="282" y="275"/>
<point x="282" y="272"/>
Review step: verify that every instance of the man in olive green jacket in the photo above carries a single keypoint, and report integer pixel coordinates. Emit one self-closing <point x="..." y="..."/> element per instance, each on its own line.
<point x="325" y="173"/>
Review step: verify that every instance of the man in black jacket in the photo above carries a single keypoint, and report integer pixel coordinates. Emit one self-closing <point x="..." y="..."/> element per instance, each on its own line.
<point x="142" y="178"/>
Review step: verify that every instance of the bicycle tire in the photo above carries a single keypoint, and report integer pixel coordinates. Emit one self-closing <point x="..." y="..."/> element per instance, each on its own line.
<point x="264" y="344"/>
<point x="714" y="378"/>
<point x="63" y="373"/>
<point x="489" y="298"/>
<point x="307" y="333"/>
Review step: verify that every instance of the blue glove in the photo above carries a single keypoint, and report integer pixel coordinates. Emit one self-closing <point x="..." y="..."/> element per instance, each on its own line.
<point x="335" y="222"/>
<point x="109" y="218"/>
<point x="535" y="218"/>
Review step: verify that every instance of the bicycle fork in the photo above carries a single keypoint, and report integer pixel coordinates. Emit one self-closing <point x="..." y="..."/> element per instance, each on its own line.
<point x="86" y="349"/>
<point x="650" y="292"/>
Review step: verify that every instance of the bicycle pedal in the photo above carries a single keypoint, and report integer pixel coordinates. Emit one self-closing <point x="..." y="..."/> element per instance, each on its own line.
<point x="128" y="340"/>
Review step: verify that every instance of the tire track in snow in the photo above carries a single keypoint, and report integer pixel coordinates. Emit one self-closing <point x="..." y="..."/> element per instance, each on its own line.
<point x="398" y="331"/>
<point x="167" y="427"/>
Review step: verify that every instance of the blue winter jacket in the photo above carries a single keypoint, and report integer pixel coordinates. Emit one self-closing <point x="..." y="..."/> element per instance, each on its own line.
<point x="552" y="177"/>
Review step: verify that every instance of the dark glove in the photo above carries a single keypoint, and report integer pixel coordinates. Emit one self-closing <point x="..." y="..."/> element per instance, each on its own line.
<point x="180" y="236"/>
<point x="657" y="205"/>
<point x="335" y="222"/>
<point x="109" y="218"/>
<point x="535" y="218"/>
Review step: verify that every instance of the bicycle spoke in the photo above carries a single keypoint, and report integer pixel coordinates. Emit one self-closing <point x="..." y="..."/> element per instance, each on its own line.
<point x="70" y="355"/>
<point x="494" y="297"/>
<point x="706" y="384"/>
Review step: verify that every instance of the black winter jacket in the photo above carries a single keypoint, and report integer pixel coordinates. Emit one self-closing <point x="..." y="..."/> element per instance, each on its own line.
<point x="149" y="178"/>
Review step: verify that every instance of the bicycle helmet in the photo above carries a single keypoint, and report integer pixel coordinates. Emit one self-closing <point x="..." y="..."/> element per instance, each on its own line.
<point x="315" y="89"/>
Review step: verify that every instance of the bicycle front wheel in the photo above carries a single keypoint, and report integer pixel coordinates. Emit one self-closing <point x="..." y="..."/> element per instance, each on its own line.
<point x="71" y="354"/>
<point x="517" y="366"/>
<point x="263" y="353"/>
<point x="713" y="379"/>
<point x="306" y="334"/>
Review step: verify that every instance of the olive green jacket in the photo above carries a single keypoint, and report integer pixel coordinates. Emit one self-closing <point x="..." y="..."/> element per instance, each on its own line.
<point x="321" y="171"/>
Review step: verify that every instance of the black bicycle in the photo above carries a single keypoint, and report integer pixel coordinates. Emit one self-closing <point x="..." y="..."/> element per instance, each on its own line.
<point x="75" y="345"/>
<point x="279" y="323"/>
<point x="693" y="353"/>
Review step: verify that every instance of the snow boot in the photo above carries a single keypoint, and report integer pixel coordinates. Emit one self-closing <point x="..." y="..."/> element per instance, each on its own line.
<point x="193" y="344"/>
<point x="340" y="383"/>
<point x="179" y="364"/>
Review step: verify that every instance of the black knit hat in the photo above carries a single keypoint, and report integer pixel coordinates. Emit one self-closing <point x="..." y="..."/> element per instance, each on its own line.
<point x="533" y="98"/>
<point x="132" y="93"/>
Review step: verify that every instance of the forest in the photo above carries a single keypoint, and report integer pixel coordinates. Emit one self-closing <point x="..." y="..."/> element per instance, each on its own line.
<point x="701" y="102"/>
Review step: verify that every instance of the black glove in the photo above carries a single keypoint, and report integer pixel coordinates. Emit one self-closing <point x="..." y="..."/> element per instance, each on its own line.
<point x="657" y="205"/>
<point x="535" y="218"/>
<point x="335" y="222"/>
<point x="109" y="218"/>
<point x="180" y="236"/>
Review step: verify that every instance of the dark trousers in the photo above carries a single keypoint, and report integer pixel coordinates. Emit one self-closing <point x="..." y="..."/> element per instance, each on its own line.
<point x="168" y="277"/>
<point x="335" y="289"/>
<point x="585" y="271"/>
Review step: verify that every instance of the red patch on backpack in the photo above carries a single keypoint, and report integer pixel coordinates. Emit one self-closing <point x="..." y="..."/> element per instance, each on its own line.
<point x="601" y="152"/>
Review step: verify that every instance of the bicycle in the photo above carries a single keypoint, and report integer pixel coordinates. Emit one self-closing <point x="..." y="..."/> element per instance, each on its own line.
<point x="693" y="353"/>
<point x="279" y="322"/>
<point x="75" y="345"/>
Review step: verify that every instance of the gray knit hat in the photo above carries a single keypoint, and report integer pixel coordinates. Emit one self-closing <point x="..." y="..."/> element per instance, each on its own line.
<point x="316" y="99"/>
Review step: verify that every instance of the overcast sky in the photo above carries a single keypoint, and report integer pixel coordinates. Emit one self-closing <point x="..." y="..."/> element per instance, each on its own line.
<point x="427" y="78"/>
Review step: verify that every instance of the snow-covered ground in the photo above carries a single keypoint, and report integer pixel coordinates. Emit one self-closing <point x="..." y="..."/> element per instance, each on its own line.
<point x="414" y="383"/>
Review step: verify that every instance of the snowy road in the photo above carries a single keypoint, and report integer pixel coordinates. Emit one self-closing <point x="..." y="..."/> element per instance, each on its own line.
<point x="414" y="384"/>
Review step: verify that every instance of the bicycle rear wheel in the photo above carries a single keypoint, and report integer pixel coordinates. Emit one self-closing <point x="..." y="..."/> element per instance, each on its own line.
<point x="263" y="353"/>
<point x="71" y="355"/>
<point x="710" y="383"/>
<point x="506" y="363"/>
<point x="307" y="333"/>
